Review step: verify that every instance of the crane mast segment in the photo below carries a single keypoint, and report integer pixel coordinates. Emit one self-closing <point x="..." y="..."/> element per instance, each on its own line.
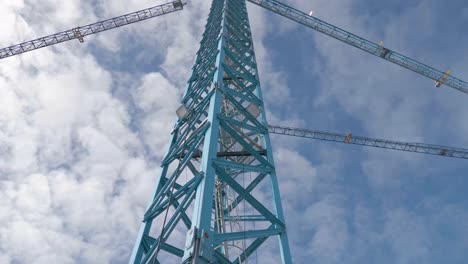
<point x="347" y="138"/>
<point x="80" y="32"/>
<point x="361" y="43"/>
<point x="219" y="159"/>
<point x="220" y="150"/>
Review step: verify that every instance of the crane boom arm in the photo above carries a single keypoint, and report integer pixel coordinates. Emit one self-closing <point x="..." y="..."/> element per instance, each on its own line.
<point x="80" y="32"/>
<point x="371" y="142"/>
<point x="362" y="44"/>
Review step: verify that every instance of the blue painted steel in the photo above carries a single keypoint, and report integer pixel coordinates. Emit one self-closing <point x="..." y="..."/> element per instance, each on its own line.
<point x="444" y="151"/>
<point x="247" y="234"/>
<point x="361" y="43"/>
<point x="218" y="157"/>
<point x="172" y="249"/>
<point x="82" y="31"/>
<point x="283" y="237"/>
<point x="247" y="196"/>
<point x="240" y="166"/>
<point x="250" y="250"/>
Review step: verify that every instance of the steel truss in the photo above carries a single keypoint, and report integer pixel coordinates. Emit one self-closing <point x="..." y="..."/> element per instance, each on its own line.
<point x="363" y="44"/>
<point x="80" y="32"/>
<point x="218" y="159"/>
<point x="348" y="138"/>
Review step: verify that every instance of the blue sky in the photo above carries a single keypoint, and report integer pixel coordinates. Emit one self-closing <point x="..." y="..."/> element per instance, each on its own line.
<point x="373" y="205"/>
<point x="83" y="126"/>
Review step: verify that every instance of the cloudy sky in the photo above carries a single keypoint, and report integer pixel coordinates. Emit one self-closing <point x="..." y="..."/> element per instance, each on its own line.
<point x="83" y="126"/>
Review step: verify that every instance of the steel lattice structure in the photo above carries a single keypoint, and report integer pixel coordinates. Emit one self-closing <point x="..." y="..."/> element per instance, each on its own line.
<point x="80" y="32"/>
<point x="221" y="141"/>
<point x="348" y="138"/>
<point x="217" y="198"/>
<point x="362" y="43"/>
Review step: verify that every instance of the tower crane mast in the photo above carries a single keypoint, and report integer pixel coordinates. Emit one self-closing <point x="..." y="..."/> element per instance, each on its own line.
<point x="80" y="32"/>
<point x="363" y="44"/>
<point x="221" y="139"/>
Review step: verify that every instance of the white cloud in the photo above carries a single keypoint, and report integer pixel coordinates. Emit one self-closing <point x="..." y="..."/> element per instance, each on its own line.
<point x="80" y="143"/>
<point x="74" y="181"/>
<point x="158" y="111"/>
<point x="274" y="83"/>
<point x="384" y="101"/>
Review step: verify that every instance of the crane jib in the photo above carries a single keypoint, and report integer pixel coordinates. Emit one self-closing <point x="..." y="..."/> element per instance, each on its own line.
<point x="82" y="31"/>
<point x="348" y="138"/>
<point x="362" y="44"/>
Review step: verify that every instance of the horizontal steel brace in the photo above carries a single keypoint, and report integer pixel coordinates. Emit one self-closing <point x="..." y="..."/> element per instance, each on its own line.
<point x="242" y="166"/>
<point x="223" y="154"/>
<point x="218" y="238"/>
<point x="245" y="218"/>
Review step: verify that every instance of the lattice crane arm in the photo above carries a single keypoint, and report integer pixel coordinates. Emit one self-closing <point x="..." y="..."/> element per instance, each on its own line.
<point x="363" y="44"/>
<point x="348" y="138"/>
<point x="80" y="32"/>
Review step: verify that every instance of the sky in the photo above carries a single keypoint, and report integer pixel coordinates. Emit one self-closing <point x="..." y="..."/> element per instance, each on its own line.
<point x="83" y="128"/>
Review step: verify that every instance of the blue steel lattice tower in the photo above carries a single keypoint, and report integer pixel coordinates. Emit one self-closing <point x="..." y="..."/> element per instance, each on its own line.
<point x="217" y="198"/>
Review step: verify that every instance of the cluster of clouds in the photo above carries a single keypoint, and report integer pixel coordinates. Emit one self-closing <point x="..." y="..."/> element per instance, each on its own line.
<point x="80" y="141"/>
<point x="366" y="205"/>
<point x="83" y="128"/>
